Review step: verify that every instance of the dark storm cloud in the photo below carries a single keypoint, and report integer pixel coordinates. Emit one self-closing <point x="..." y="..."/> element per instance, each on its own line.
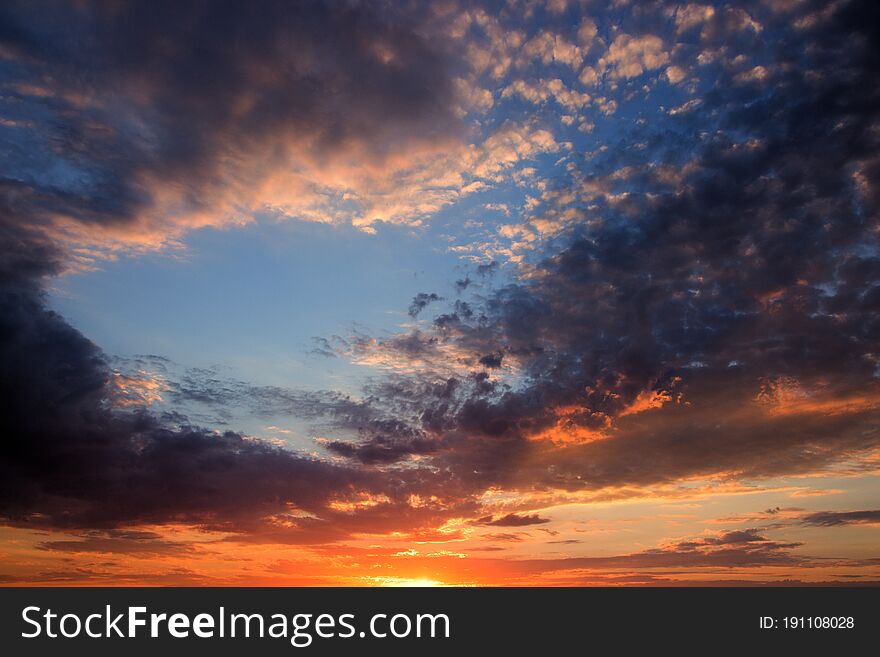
<point x="839" y="518"/>
<point x="74" y="461"/>
<point x="721" y="321"/>
<point x="71" y="460"/>
<point x="110" y="103"/>
<point x="722" y="318"/>
<point x="103" y="105"/>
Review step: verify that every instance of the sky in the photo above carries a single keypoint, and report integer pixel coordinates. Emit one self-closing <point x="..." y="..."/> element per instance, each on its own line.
<point x="451" y="293"/>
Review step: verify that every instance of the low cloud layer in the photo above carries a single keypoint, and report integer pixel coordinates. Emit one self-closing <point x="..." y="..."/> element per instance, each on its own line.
<point x="840" y="518"/>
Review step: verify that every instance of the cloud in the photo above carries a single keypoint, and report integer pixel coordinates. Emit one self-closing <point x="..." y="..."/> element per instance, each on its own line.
<point x="321" y="112"/>
<point x="542" y="90"/>
<point x="840" y="518"/>
<point x="550" y="48"/>
<point x="691" y="15"/>
<point x="516" y="520"/>
<point x="421" y="301"/>
<point x="715" y="23"/>
<point x="629" y="56"/>
<point x="381" y="448"/>
<point x="717" y="321"/>
<point x="130" y="142"/>
<point x="746" y="549"/>
<point x="699" y="300"/>
<point x="78" y="462"/>
<point x="675" y="74"/>
<point x="506" y="537"/>
<point x="133" y="543"/>
<point x="492" y="361"/>
<point x="81" y="459"/>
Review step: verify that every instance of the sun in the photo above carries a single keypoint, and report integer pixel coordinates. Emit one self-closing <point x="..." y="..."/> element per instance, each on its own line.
<point x="421" y="582"/>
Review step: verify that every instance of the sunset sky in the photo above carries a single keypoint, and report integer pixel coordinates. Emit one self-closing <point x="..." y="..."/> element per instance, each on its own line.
<point x="490" y="293"/>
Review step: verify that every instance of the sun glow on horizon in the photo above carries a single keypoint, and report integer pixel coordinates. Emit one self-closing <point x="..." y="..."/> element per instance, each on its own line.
<point x="414" y="582"/>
